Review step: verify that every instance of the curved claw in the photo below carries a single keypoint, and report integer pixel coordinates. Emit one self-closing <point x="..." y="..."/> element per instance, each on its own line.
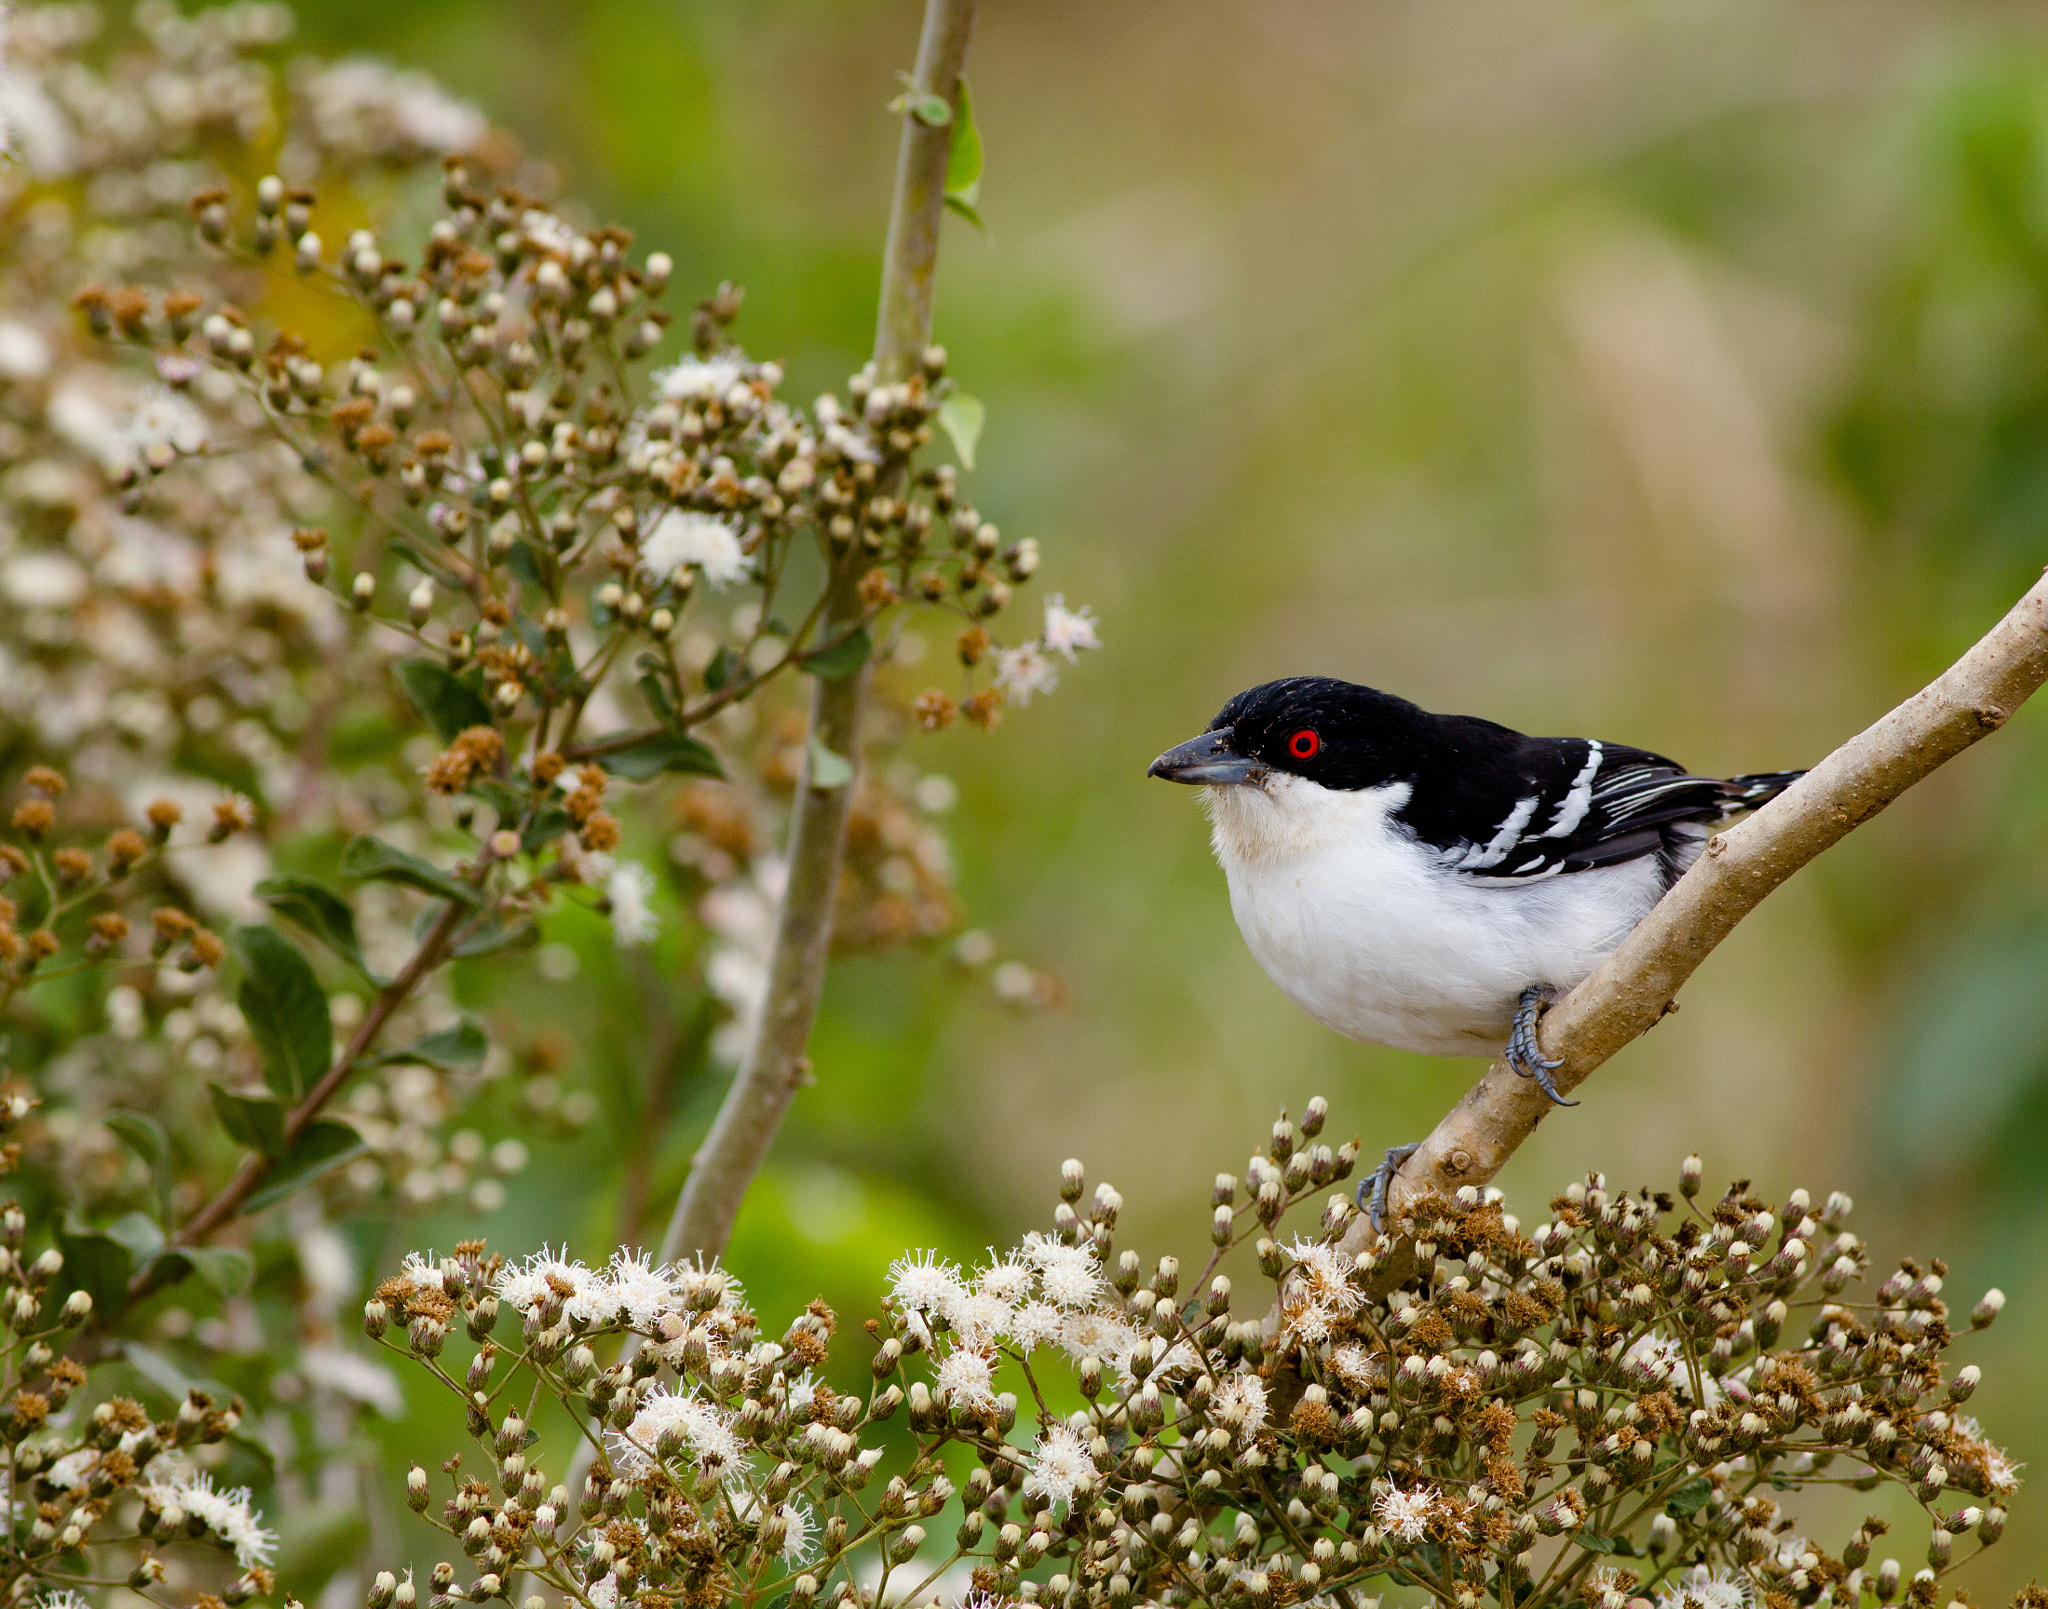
<point x="1523" y="1054"/>
<point x="1372" y="1190"/>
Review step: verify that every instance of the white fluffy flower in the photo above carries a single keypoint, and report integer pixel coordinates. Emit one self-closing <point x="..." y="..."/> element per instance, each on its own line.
<point x="1060" y="1468"/>
<point x="684" y="536"/>
<point x="922" y="1282"/>
<point x="799" y="1533"/>
<point x="1024" y="670"/>
<point x="1241" y="1400"/>
<point x="24" y="352"/>
<point x="1324" y="1272"/>
<point x="1701" y="1588"/>
<point x="1404" y="1516"/>
<point x="967" y="1379"/>
<point x="1066" y="1274"/>
<point x="1068" y="629"/>
<point x="629" y="890"/>
<point x="642" y="1293"/>
<point x="696" y="1425"/>
<point x="1007" y="1281"/>
<point x="1092" y="1334"/>
<point x="226" y="1514"/>
<point x="978" y="1317"/>
<point x="544" y="1274"/>
<point x="697" y="379"/>
<point x="1036" y="1324"/>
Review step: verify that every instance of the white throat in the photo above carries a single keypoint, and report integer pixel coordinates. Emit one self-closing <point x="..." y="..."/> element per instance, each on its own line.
<point x="1262" y="826"/>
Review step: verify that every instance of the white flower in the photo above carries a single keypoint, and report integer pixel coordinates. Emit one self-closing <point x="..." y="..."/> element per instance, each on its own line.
<point x="803" y="1391"/>
<point x="545" y="1274"/>
<point x="1068" y="629"/>
<point x="1241" y="1399"/>
<point x="1035" y="1324"/>
<point x="799" y="1533"/>
<point x="63" y="1598"/>
<point x="603" y="1593"/>
<point x="2001" y="1474"/>
<point x="628" y="889"/>
<point x="24" y="353"/>
<point x="1007" y="1281"/>
<point x="922" y="1283"/>
<point x="684" y="536"/>
<point x="1060" y="1468"/>
<point x="1090" y="1334"/>
<point x="698" y="1426"/>
<point x="1702" y="1588"/>
<point x="967" y="1379"/>
<point x="1024" y="670"/>
<point x="697" y="379"/>
<point x="1324" y="1273"/>
<point x="1067" y="1274"/>
<point x="978" y="1316"/>
<point x="642" y="1292"/>
<point x="162" y="418"/>
<point x="1357" y="1368"/>
<point x="225" y="1513"/>
<point x="1404" y="1516"/>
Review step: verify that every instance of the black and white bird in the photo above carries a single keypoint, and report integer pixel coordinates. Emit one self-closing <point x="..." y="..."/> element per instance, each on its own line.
<point x="1431" y="882"/>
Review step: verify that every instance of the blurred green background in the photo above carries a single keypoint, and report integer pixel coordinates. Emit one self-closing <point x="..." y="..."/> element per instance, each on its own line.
<point x="1670" y="373"/>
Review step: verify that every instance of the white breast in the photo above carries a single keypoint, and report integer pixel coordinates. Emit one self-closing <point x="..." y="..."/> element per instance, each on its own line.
<point x="1378" y="937"/>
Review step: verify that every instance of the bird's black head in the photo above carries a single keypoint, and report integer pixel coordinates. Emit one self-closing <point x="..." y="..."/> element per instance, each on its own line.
<point x="1334" y="733"/>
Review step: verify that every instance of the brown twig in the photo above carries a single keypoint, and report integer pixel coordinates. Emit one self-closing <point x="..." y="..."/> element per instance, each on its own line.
<point x="1634" y="986"/>
<point x="775" y="1066"/>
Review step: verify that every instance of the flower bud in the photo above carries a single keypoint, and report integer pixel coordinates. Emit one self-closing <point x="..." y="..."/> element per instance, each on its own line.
<point x="416" y="1489"/>
<point x="77" y="1309"/>
<point x="362" y="590"/>
<point x="1988" y="1308"/>
<point x="1690" y="1173"/>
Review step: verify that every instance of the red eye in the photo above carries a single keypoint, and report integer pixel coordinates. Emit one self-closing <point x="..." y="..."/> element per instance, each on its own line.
<point x="1304" y="744"/>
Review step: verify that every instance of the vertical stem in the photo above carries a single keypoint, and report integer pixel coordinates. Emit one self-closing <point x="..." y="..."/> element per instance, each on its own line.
<point x="774" y="1066"/>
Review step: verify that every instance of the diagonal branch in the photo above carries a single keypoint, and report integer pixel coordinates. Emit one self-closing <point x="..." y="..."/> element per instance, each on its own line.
<point x="775" y="1065"/>
<point x="1634" y="986"/>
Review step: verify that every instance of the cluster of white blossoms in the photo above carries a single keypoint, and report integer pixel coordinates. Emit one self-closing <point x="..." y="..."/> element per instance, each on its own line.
<point x="661" y="1302"/>
<point x="229" y="1515"/>
<point x="1028" y="668"/>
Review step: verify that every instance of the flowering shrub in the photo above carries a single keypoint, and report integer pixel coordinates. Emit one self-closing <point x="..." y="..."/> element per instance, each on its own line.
<point x="1620" y="1403"/>
<point x="369" y="598"/>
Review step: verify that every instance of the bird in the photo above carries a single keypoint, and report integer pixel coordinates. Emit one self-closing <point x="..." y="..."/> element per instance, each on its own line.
<point x="1434" y="882"/>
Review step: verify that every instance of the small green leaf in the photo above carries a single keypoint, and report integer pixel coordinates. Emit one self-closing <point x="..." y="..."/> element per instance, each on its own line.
<point x="655" y="691"/>
<point x="547" y="825"/>
<point x="227" y="1271"/>
<point x="319" y="1150"/>
<point x="460" y="1049"/>
<point x="930" y="110"/>
<point x="719" y="671"/>
<point x="145" y="1137"/>
<point x="968" y="210"/>
<point x="827" y="769"/>
<point x="368" y="858"/>
<point x="662" y="751"/>
<point x="448" y="703"/>
<point x="842" y="658"/>
<point x="963" y="160"/>
<point x="286" y="1009"/>
<point x="322" y="913"/>
<point x="140" y="1233"/>
<point x="256" y="1121"/>
<point x="1689" y="1498"/>
<point x="495" y="934"/>
<point x="97" y="1262"/>
<point x="961" y="417"/>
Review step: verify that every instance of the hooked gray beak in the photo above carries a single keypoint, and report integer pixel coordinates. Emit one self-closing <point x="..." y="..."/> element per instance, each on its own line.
<point x="1208" y="758"/>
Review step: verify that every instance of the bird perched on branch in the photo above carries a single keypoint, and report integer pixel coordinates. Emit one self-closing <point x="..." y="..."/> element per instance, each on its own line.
<point x="1432" y="882"/>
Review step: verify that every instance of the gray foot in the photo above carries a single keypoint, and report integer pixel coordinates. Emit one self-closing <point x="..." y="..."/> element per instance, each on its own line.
<point x="1372" y="1191"/>
<point x="1522" y="1052"/>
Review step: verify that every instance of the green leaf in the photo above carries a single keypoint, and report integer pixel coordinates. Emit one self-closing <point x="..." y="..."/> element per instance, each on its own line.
<point x="659" y="752"/>
<point x="448" y="703"/>
<point x="843" y="658"/>
<point x="145" y="1137"/>
<point x="460" y="1049"/>
<point x="655" y="691"/>
<point x="719" y="671"/>
<point x="963" y="160"/>
<point x="372" y="859"/>
<point x="961" y="417"/>
<point x="227" y="1271"/>
<point x="547" y="825"/>
<point x="1689" y="1498"/>
<point x="828" y="769"/>
<point x="102" y="1261"/>
<point x="494" y="934"/>
<point x="286" y="1009"/>
<point x="256" y="1121"/>
<point x="930" y="110"/>
<point x="323" y="1147"/>
<point x="322" y="913"/>
<point x="967" y="210"/>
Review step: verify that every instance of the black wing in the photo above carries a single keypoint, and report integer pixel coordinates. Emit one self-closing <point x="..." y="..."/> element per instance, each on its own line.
<point x="1501" y="805"/>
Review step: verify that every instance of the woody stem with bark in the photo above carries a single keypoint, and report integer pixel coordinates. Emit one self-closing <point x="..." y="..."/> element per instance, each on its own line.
<point x="1634" y="986"/>
<point x="775" y="1065"/>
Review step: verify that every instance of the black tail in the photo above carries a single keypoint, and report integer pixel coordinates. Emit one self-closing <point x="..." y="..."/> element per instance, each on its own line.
<point x="1738" y="794"/>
